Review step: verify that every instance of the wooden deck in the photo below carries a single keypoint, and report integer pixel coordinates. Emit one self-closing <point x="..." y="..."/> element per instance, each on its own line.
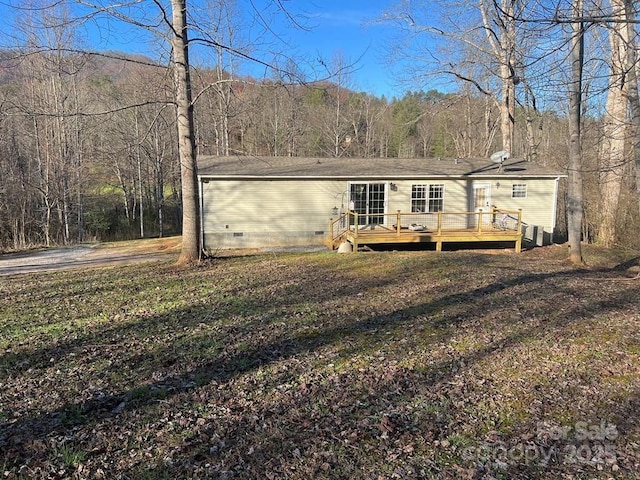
<point x="438" y="228"/>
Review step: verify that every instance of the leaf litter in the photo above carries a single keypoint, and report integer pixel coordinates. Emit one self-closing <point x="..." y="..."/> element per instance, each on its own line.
<point x="375" y="366"/>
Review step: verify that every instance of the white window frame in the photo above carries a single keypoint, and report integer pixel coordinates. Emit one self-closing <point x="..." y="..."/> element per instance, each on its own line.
<point x="436" y="196"/>
<point x="419" y="198"/>
<point x="428" y="196"/>
<point x="371" y="201"/>
<point x="519" y="190"/>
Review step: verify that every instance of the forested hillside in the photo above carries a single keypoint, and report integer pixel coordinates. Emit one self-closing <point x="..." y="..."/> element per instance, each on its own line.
<point x="88" y="141"/>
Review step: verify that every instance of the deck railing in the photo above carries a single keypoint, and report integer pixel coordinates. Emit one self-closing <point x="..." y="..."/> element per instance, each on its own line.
<point x="434" y="222"/>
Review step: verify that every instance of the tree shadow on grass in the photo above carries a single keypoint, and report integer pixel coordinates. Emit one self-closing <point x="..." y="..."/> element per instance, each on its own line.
<point x="628" y="264"/>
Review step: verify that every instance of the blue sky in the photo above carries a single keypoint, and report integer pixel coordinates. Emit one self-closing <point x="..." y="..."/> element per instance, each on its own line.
<point x="331" y="28"/>
<point x="352" y="30"/>
<point x="349" y="29"/>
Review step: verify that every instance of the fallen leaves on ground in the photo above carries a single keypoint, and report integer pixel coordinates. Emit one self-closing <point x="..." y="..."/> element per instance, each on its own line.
<point x="368" y="366"/>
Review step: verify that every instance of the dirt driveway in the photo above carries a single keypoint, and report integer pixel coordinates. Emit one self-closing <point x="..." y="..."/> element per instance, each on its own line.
<point x="90" y="255"/>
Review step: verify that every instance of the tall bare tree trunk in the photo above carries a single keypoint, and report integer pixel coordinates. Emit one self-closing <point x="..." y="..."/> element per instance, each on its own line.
<point x="159" y="184"/>
<point x="530" y="112"/>
<point x="632" y="91"/>
<point x="634" y="101"/>
<point x="223" y="88"/>
<point x="186" y="144"/>
<point x="507" y="109"/>
<point x="504" y="49"/>
<point x="140" y="191"/>
<point x="574" y="191"/>
<point x="490" y="127"/>
<point x="615" y="126"/>
<point x="138" y="159"/>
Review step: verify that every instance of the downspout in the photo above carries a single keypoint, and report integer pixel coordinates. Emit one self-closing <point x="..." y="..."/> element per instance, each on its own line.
<point x="555" y="208"/>
<point x="202" y="246"/>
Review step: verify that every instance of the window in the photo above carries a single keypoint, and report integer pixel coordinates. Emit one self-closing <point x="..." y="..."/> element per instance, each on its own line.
<point x="427" y="198"/>
<point x="519" y="190"/>
<point x="419" y="198"/>
<point x="436" y="198"/>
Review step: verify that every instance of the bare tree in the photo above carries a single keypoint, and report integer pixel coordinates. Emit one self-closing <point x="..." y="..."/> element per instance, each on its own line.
<point x="574" y="194"/>
<point x="615" y="122"/>
<point x="633" y="95"/>
<point x="499" y="21"/>
<point x="51" y="101"/>
<point x="223" y="31"/>
<point x="481" y="47"/>
<point x="186" y="134"/>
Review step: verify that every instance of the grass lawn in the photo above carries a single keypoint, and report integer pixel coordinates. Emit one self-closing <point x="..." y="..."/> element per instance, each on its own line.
<point x="317" y="365"/>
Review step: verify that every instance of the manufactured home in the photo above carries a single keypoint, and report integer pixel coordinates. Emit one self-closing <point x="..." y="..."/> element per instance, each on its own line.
<point x="256" y="202"/>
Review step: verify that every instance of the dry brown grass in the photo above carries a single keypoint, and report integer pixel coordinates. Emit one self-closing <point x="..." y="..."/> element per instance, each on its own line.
<point x="376" y="365"/>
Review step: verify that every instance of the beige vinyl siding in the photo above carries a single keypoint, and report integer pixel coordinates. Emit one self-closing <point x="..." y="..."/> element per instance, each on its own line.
<point x="537" y="207"/>
<point x="257" y="213"/>
<point x="252" y="213"/>
<point x="455" y="194"/>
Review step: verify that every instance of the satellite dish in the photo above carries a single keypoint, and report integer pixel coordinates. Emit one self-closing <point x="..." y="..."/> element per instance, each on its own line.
<point x="500" y="156"/>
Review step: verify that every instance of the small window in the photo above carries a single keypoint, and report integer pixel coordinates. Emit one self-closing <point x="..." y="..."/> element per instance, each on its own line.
<point x="519" y="190"/>
<point x="419" y="198"/>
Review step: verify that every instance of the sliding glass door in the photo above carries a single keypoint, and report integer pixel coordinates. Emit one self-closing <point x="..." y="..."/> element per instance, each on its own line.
<point x="368" y="200"/>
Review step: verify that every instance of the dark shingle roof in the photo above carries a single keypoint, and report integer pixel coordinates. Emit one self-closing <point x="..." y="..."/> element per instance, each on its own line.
<point x="371" y="168"/>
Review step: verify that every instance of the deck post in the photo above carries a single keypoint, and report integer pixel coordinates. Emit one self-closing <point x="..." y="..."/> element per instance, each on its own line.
<point x="440" y="223"/>
<point x="519" y="226"/>
<point x="355" y="231"/>
<point x="479" y="221"/>
<point x="398" y="222"/>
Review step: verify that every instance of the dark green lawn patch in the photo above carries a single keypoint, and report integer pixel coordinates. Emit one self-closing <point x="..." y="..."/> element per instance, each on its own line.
<point x="367" y="366"/>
